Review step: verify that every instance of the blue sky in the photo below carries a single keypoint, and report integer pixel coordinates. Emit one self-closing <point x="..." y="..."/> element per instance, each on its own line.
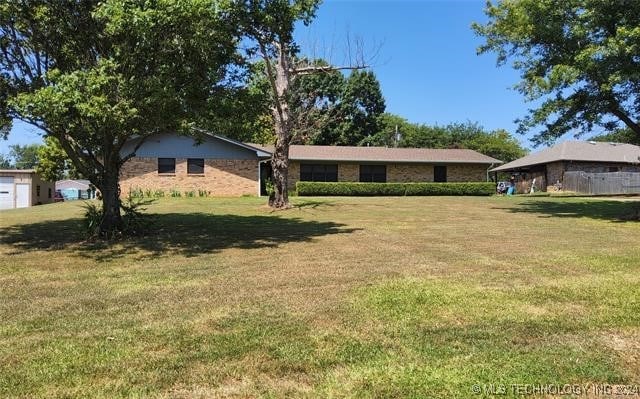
<point x="427" y="63"/>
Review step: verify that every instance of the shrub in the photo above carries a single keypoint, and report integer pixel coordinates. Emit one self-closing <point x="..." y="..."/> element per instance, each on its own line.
<point x="190" y="194"/>
<point x="203" y="193"/>
<point x="136" y="193"/>
<point x="175" y="193"/>
<point x="393" y="189"/>
<point x="134" y="222"/>
<point x="158" y="194"/>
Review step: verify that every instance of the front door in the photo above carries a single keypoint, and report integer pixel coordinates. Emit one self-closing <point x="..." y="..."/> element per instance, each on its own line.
<point x="440" y="174"/>
<point x="265" y="174"/>
<point x="23" y="195"/>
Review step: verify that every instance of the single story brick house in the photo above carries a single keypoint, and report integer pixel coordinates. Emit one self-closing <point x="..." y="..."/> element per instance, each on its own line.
<point x="548" y="166"/>
<point x="225" y="167"/>
<point x="22" y="188"/>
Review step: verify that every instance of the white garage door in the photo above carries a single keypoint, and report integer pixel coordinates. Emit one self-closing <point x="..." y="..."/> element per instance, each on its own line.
<point x="23" y="195"/>
<point x="6" y="192"/>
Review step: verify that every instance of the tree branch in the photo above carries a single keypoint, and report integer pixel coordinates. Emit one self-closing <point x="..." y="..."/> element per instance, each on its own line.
<point x="133" y="153"/>
<point x="626" y="120"/>
<point x="324" y="68"/>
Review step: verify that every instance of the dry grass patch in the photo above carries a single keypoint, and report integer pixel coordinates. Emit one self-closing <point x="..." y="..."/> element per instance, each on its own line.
<point x="341" y="297"/>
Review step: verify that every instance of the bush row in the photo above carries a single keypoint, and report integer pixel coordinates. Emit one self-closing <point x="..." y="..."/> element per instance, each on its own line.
<point x="139" y="193"/>
<point x="393" y="189"/>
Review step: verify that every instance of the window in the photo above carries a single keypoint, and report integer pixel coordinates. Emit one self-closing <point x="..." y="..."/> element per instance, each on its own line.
<point x="195" y="166"/>
<point x="318" y="172"/>
<point x="614" y="169"/>
<point x="49" y="193"/>
<point x="373" y="173"/>
<point x="440" y="174"/>
<point x="37" y="191"/>
<point x="166" y="165"/>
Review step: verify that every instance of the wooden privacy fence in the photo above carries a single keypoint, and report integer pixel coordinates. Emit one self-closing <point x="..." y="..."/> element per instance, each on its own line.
<point x="602" y="183"/>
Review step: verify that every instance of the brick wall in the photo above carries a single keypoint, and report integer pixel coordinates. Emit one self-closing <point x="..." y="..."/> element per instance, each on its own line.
<point x="402" y="173"/>
<point x="222" y="177"/>
<point x="467" y="173"/>
<point x="294" y="174"/>
<point x="409" y="173"/>
<point x="416" y="173"/>
<point x="349" y="172"/>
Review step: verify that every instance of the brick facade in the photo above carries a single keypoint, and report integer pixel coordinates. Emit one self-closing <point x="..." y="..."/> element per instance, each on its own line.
<point x="402" y="173"/>
<point x="461" y="173"/>
<point x="222" y="177"/>
<point x="554" y="173"/>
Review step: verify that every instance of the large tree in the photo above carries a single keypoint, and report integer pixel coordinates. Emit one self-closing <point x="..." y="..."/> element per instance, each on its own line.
<point x="399" y="132"/>
<point x="619" y="136"/>
<point x="327" y="108"/>
<point x="24" y="156"/>
<point x="95" y="74"/>
<point x="354" y="114"/>
<point x="268" y="27"/>
<point x="579" y="58"/>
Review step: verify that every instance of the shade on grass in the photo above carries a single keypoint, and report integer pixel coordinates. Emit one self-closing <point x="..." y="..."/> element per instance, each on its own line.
<point x="343" y="297"/>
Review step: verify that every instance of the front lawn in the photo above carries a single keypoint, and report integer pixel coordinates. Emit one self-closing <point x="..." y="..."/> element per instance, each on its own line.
<point x="338" y="297"/>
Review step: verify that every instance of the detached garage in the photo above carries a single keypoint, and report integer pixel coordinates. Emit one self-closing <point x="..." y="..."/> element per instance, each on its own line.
<point x="23" y="188"/>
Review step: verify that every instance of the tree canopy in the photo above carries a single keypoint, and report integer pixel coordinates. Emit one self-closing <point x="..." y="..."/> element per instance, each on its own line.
<point x="497" y="143"/>
<point x="619" y="136"/>
<point x="327" y="108"/>
<point x="24" y="156"/>
<point x="579" y="59"/>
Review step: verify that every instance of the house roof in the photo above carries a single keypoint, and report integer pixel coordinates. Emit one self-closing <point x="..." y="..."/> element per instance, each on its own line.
<point x="17" y="171"/>
<point x="573" y="150"/>
<point x="78" y="182"/>
<point x="383" y="154"/>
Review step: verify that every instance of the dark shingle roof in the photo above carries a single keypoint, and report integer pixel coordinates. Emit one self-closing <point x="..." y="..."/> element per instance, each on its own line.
<point x="587" y="151"/>
<point x="383" y="154"/>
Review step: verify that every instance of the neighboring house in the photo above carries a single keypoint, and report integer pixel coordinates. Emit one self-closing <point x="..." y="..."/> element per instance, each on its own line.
<point x="548" y="166"/>
<point x="23" y="188"/>
<point x="75" y="189"/>
<point x="225" y="167"/>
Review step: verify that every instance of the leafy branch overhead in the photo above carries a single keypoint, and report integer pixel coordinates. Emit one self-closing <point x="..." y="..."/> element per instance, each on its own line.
<point x="579" y="58"/>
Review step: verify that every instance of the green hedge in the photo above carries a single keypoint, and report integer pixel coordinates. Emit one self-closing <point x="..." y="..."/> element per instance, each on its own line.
<point x="392" y="189"/>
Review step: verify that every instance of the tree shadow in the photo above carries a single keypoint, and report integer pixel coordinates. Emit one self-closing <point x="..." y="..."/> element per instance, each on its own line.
<point x="312" y="204"/>
<point x="615" y="211"/>
<point x="188" y="234"/>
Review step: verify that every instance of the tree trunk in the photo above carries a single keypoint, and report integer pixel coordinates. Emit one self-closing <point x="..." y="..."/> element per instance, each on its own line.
<point x="280" y="158"/>
<point x="110" y="190"/>
<point x="280" y="171"/>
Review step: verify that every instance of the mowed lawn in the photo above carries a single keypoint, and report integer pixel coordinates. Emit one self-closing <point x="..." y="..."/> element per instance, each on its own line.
<point x="338" y="297"/>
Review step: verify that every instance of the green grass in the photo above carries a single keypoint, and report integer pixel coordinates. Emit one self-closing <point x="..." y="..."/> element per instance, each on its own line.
<point x="337" y="297"/>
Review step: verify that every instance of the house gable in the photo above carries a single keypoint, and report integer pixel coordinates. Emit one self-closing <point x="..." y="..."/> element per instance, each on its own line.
<point x="177" y="146"/>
